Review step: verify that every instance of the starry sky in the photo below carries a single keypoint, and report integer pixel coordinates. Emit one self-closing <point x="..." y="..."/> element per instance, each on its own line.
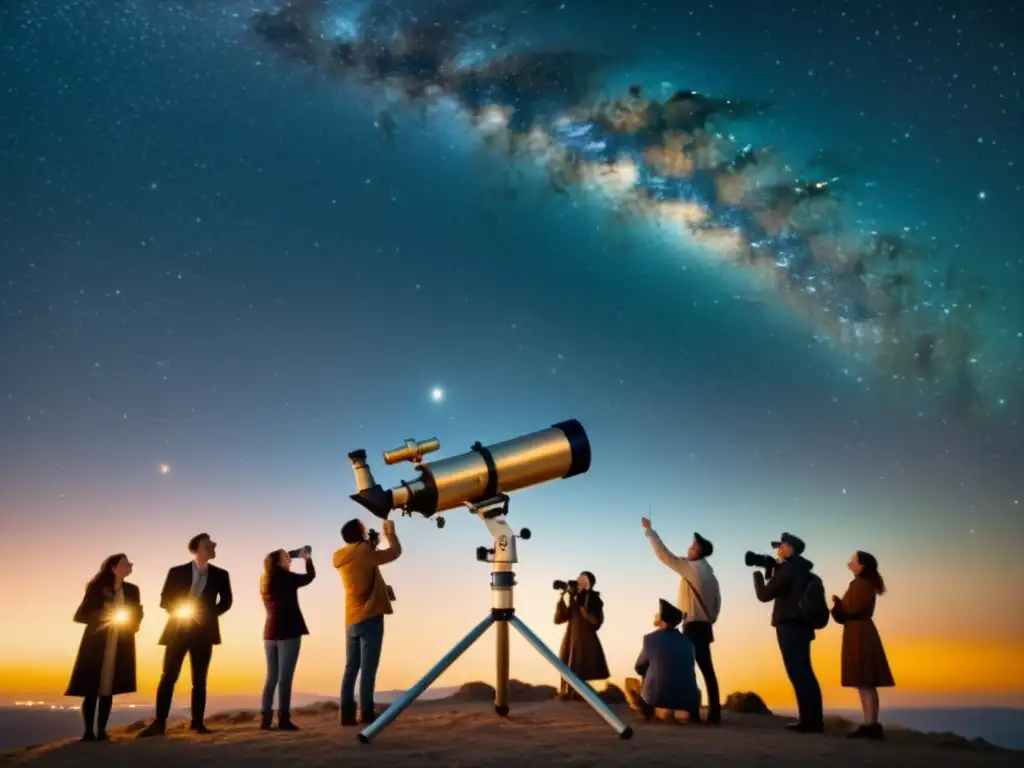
<point x="216" y="280"/>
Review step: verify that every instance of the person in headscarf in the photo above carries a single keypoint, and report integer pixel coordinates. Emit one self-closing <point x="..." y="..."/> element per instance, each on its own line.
<point x="864" y="663"/>
<point x="666" y="665"/>
<point x="582" y="611"/>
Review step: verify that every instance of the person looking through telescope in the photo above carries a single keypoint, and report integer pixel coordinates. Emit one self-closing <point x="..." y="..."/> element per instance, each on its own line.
<point x="105" y="665"/>
<point x="581" y="609"/>
<point x="367" y="601"/>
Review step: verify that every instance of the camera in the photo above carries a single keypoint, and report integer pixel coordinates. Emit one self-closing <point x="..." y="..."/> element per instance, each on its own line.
<point x="293" y="553"/>
<point x="754" y="560"/>
<point x="565" y="586"/>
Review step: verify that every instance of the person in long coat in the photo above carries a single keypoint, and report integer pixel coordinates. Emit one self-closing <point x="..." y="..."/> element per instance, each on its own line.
<point x="582" y="611"/>
<point x="105" y="665"/>
<point x="864" y="664"/>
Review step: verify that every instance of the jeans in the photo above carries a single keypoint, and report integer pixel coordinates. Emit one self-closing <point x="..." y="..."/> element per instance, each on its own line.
<point x="363" y="643"/>
<point x="795" y="644"/>
<point x="282" y="656"/>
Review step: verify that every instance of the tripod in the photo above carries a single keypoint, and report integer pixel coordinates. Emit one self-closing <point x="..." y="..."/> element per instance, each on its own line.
<point x="493" y="512"/>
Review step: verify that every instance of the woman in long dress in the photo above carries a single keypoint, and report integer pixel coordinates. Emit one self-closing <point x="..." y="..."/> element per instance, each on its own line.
<point x="105" y="665"/>
<point x="864" y="663"/>
<point x="581" y="650"/>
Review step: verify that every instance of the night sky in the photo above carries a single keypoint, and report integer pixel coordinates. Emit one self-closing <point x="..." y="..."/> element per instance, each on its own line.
<point x="216" y="279"/>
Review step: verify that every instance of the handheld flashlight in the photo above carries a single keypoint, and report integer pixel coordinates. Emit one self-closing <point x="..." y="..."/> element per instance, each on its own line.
<point x="185" y="611"/>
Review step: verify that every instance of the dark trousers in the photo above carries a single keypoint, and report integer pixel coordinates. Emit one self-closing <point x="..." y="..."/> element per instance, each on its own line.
<point x="282" y="656"/>
<point x="363" y="644"/>
<point x="199" y="655"/>
<point x="701" y="635"/>
<point x="795" y="643"/>
<point x="106" y="703"/>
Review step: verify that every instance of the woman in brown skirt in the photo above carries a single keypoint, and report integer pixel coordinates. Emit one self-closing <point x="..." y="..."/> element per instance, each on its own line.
<point x="865" y="666"/>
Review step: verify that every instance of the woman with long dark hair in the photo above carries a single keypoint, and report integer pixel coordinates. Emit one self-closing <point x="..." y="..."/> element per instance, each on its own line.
<point x="583" y="615"/>
<point x="105" y="665"/>
<point x="864" y="664"/>
<point x="282" y="632"/>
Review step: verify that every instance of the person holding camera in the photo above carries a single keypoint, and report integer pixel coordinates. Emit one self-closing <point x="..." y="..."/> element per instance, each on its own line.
<point x="700" y="600"/>
<point x="864" y="663"/>
<point x="195" y="596"/>
<point x="282" y="631"/>
<point x="105" y="665"/>
<point x="367" y="601"/>
<point x="799" y="609"/>
<point x="581" y="609"/>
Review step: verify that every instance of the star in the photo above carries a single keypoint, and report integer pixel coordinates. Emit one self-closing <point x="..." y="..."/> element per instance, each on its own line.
<point x="437" y="394"/>
<point x="982" y="195"/>
<point x="165" y="469"/>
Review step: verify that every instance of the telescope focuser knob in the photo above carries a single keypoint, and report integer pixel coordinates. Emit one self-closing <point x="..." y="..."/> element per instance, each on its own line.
<point x="482" y="553"/>
<point x="439" y="522"/>
<point x="525" y="534"/>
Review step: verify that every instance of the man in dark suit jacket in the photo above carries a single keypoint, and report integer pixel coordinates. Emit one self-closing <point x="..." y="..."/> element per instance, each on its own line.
<point x="666" y="668"/>
<point x="195" y="595"/>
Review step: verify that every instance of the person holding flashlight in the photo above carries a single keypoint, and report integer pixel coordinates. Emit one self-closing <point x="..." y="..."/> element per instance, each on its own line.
<point x="195" y="595"/>
<point x="105" y="665"/>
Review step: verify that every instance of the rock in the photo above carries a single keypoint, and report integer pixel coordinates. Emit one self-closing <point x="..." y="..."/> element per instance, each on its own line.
<point x="517" y="691"/>
<point x="612" y="695"/>
<point x="747" y="703"/>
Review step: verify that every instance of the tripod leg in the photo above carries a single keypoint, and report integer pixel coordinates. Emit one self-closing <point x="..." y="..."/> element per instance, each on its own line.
<point x="584" y="690"/>
<point x="501" y="684"/>
<point x="399" y="705"/>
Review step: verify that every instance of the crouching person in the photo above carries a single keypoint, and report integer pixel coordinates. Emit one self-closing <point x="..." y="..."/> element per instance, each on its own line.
<point x="668" y="680"/>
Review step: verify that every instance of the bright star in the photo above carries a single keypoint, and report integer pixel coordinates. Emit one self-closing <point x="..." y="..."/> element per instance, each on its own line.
<point x="165" y="469"/>
<point x="437" y="394"/>
<point x="982" y="195"/>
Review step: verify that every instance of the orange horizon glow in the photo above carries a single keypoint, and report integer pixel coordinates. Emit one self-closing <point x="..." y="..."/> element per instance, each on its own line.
<point x="442" y="593"/>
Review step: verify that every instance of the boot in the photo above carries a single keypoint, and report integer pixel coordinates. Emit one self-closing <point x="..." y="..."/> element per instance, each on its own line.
<point x="156" y="728"/>
<point x="348" y="715"/>
<point x="265" y="720"/>
<point x="284" y="722"/>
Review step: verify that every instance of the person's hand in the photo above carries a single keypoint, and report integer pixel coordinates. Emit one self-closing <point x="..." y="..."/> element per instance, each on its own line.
<point x="645" y="523"/>
<point x="388" y="527"/>
<point x="836" y="600"/>
<point x="305" y="553"/>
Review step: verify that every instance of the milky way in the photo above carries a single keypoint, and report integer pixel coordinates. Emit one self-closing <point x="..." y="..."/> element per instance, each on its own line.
<point x="905" y="305"/>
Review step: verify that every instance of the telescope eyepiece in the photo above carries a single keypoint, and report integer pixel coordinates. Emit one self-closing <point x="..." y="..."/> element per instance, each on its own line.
<point x="357" y="456"/>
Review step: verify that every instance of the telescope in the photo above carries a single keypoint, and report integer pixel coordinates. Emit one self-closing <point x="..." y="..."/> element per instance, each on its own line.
<point x="485" y="471"/>
<point x="480" y="480"/>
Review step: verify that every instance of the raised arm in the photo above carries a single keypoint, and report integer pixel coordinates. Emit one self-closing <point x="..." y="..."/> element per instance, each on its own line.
<point x="775" y="586"/>
<point x="680" y="565"/>
<point x="562" y="611"/>
<point x="592" y="610"/>
<point x="224" y="593"/>
<point x="302" y="579"/>
<point x="394" y="550"/>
